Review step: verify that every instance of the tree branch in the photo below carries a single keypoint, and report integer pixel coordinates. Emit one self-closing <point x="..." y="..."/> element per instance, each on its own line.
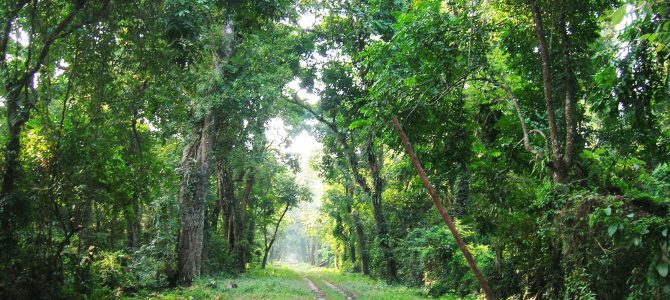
<point x="7" y="28"/>
<point x="519" y="113"/>
<point x="342" y="139"/>
<point x="51" y="38"/>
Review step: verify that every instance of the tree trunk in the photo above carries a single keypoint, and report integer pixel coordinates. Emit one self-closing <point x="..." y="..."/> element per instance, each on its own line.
<point x="135" y="219"/>
<point x="443" y="212"/>
<point x="228" y="203"/>
<point x="557" y="166"/>
<point x="569" y="91"/>
<point x="265" y="258"/>
<point x="312" y="252"/>
<point x="241" y="249"/>
<point x="383" y="235"/>
<point x="268" y="246"/>
<point x="133" y="224"/>
<point x="352" y="249"/>
<point x="192" y="192"/>
<point x="362" y="244"/>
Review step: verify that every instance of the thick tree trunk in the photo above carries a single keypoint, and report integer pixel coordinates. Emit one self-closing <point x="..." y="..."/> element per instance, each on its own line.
<point x="13" y="145"/>
<point x="251" y="230"/>
<point x="11" y="204"/>
<point x="462" y="190"/>
<point x="192" y="192"/>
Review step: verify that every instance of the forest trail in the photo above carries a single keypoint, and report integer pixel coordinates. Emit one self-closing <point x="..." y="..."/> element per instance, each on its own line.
<point x="319" y="294"/>
<point x="290" y="281"/>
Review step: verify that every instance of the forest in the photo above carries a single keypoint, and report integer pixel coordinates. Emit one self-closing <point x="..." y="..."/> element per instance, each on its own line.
<point x="335" y="149"/>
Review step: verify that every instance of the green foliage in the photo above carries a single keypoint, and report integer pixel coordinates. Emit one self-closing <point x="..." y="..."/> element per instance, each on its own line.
<point x="99" y="98"/>
<point x="110" y="270"/>
<point x="431" y="258"/>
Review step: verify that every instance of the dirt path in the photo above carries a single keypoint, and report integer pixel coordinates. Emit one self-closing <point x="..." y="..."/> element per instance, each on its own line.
<point x="319" y="294"/>
<point x="341" y="291"/>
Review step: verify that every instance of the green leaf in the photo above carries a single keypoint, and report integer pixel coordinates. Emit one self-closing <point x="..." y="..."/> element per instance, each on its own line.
<point x="358" y="123"/>
<point x="410" y="81"/>
<point x="662" y="269"/>
<point x="592" y="220"/>
<point x="608" y="210"/>
<point x="664" y="232"/>
<point x="660" y="47"/>
<point x="611" y="230"/>
<point x="652" y="36"/>
<point x="618" y="15"/>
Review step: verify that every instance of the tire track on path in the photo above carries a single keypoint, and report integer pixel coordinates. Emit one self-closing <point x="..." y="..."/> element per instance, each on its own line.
<point x="319" y="294"/>
<point x="342" y="292"/>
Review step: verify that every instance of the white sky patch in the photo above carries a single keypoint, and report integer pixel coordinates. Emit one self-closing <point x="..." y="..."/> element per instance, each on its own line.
<point x="275" y="132"/>
<point x="307" y="148"/>
<point x="303" y="94"/>
<point x="2" y="101"/>
<point x="628" y="19"/>
<point x="307" y="20"/>
<point x="303" y="144"/>
<point x="149" y="124"/>
<point x="631" y="16"/>
<point x="624" y="49"/>
<point x="61" y="66"/>
<point x="22" y="37"/>
<point x="36" y="80"/>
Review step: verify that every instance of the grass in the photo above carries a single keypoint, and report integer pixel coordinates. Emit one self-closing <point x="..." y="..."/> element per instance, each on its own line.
<point x="362" y="287"/>
<point x="286" y="282"/>
<point x="271" y="283"/>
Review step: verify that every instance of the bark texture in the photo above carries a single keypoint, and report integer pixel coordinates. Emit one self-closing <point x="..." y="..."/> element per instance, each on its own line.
<point x="193" y="188"/>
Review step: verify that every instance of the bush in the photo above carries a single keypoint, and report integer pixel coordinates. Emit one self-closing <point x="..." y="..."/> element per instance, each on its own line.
<point x="111" y="271"/>
<point x="218" y="258"/>
<point x="431" y="258"/>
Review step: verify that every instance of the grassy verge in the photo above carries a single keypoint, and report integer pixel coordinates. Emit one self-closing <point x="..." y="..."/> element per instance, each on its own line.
<point x="272" y="283"/>
<point x="286" y="282"/>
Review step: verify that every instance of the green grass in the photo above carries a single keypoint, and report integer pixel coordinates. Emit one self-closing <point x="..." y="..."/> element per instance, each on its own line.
<point x="362" y="287"/>
<point x="286" y="282"/>
<point x="272" y="283"/>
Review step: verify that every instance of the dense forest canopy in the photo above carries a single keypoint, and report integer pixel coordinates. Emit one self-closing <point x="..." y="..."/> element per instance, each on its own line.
<point x="140" y="145"/>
